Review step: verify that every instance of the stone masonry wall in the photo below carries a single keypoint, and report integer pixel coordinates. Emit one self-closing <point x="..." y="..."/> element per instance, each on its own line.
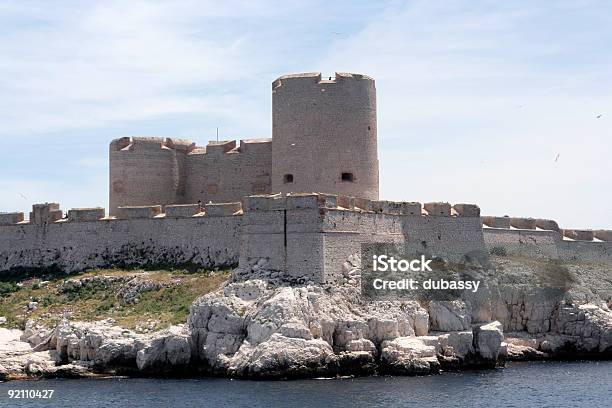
<point x="544" y="239"/>
<point x="146" y="170"/>
<point x="322" y="128"/>
<point x="200" y="241"/>
<point x="225" y="173"/>
<point x="149" y="170"/>
<point x="311" y="237"/>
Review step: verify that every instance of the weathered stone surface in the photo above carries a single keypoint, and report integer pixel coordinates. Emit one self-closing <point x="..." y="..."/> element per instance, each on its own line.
<point x="286" y="357"/>
<point x="549" y="225"/>
<point x="409" y="355"/>
<point x="578" y="235"/>
<point x="457" y="344"/>
<point x="488" y="339"/>
<point x="496" y="222"/>
<point x="523" y="223"/>
<point x="438" y="209"/>
<point x="449" y="315"/>
<point x="166" y="351"/>
<point x="255" y="329"/>
<point x="467" y="210"/>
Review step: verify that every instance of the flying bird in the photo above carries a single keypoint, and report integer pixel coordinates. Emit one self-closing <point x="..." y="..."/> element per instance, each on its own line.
<point x="557" y="158"/>
<point x="598" y="116"/>
<point x="22" y="196"/>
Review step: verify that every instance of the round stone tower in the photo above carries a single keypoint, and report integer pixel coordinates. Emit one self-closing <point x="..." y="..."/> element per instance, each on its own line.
<point x="147" y="171"/>
<point x="324" y="135"/>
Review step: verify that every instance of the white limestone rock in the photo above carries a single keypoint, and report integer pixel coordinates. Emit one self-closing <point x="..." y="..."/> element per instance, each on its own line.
<point x="488" y="340"/>
<point x="518" y="352"/>
<point x="459" y="344"/>
<point x="101" y="342"/>
<point x="295" y="330"/>
<point x="286" y="357"/>
<point x="589" y="324"/>
<point x="409" y="355"/>
<point x="449" y="315"/>
<point x="167" y="350"/>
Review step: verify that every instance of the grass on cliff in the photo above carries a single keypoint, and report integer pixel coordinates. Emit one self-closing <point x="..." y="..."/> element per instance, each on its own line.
<point x="155" y="309"/>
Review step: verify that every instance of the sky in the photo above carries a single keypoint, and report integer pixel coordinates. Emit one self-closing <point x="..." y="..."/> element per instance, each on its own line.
<point x="504" y="104"/>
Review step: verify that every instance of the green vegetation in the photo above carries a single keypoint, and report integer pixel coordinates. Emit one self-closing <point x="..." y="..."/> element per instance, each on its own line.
<point x="100" y="298"/>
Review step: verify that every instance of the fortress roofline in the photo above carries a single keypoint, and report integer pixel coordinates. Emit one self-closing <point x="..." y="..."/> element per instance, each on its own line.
<point x="316" y="77"/>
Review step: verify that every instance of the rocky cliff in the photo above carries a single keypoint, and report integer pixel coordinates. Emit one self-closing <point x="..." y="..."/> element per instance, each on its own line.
<point x="266" y="329"/>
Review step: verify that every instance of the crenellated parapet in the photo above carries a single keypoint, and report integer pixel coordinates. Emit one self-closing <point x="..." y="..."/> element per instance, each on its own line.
<point x="11" y="218"/>
<point x="182" y="210"/>
<point x="86" y="214"/>
<point x="142" y="211"/>
<point x="344" y="203"/>
<point x="223" y="209"/>
<point x="141" y="143"/>
<point x="50" y="213"/>
<point x="146" y="171"/>
<point x="226" y="172"/>
<point x="151" y="170"/>
<point x="45" y="213"/>
<point x="603" y="235"/>
<point x="540" y="224"/>
<point x="307" y="236"/>
<point x="578" y="235"/>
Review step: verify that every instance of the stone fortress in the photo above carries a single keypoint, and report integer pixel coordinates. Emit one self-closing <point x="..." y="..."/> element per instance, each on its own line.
<point x="323" y="139"/>
<point x="298" y="205"/>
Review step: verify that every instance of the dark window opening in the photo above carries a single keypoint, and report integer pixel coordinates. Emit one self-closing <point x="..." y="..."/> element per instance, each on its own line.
<point x="347" y="177"/>
<point x="288" y="178"/>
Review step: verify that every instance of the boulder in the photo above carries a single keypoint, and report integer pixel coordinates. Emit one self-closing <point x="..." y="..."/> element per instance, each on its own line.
<point x="166" y="351"/>
<point x="409" y="356"/>
<point x="287" y="357"/>
<point x="449" y="315"/>
<point x="457" y="344"/>
<point x="488" y="341"/>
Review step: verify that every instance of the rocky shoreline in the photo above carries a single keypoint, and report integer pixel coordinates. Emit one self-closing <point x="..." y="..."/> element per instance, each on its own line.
<point x="259" y="329"/>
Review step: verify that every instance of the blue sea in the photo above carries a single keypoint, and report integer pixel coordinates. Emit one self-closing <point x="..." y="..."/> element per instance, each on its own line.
<point x="530" y="384"/>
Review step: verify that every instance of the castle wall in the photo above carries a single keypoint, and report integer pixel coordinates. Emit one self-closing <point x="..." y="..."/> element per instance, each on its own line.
<point x="309" y="237"/>
<point x="322" y="129"/>
<point x="549" y="244"/>
<point x="147" y="170"/>
<point x="585" y="251"/>
<point x="528" y="243"/>
<point x="75" y="246"/>
<point x="225" y="173"/>
<point x="282" y="237"/>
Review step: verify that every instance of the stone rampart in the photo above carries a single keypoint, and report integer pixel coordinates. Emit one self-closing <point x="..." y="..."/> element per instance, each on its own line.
<point x="543" y="238"/>
<point x="145" y="238"/>
<point x="312" y="236"/>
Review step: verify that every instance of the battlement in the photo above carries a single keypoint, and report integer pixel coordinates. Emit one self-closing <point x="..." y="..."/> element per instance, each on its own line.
<point x="578" y="235"/>
<point x="50" y="213"/>
<point x="11" y="218"/>
<point x="316" y="78"/>
<point x="144" y="211"/>
<point x="221" y="147"/>
<point x="246" y="146"/>
<point x="182" y="210"/>
<point x="86" y="214"/>
<point x="45" y="213"/>
<point x="223" y="209"/>
<point x="151" y="143"/>
<point x="540" y="224"/>
<point x="344" y="203"/>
